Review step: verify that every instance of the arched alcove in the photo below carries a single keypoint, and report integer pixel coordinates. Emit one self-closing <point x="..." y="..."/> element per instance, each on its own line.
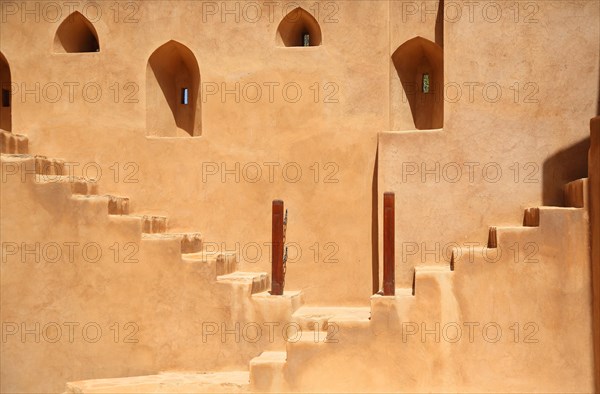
<point x="76" y="34"/>
<point x="299" y="29"/>
<point x="6" y="104"/>
<point x="173" y="107"/>
<point x="420" y="67"/>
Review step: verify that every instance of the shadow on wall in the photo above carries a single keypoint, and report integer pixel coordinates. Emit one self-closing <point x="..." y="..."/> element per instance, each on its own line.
<point x="598" y="104"/>
<point x="375" y="226"/>
<point x="420" y="67"/>
<point x="439" y="25"/>
<point x="76" y="34"/>
<point x="172" y="88"/>
<point x="562" y="167"/>
<point x="5" y="85"/>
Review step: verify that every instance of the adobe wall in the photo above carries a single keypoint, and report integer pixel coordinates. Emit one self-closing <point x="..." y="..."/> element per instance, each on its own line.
<point x="496" y="155"/>
<point x="339" y="132"/>
<point x="339" y="135"/>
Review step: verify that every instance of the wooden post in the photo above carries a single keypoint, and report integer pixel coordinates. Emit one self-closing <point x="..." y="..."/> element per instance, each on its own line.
<point x="594" y="213"/>
<point x="277" y="274"/>
<point x="389" y="257"/>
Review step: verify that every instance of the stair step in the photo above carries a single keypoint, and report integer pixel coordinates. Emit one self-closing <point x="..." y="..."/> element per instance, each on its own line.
<point x="79" y="185"/>
<point x="152" y="224"/>
<point x="576" y="193"/>
<point x="118" y="205"/>
<point x="384" y="308"/>
<point x="225" y="263"/>
<point x="279" y="307"/>
<point x="400" y="292"/>
<point x="296" y="297"/>
<point x="115" y="205"/>
<point x="40" y="165"/>
<point x="13" y="143"/>
<point x="49" y="166"/>
<point x="267" y="372"/>
<point x="166" y="382"/>
<point x="269" y="358"/>
<point x="311" y="318"/>
<point x="259" y="280"/>
<point x="190" y="242"/>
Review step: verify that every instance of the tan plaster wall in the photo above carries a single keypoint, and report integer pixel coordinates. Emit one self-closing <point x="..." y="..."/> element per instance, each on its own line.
<point x="296" y="134"/>
<point x="495" y="324"/>
<point x="557" y="53"/>
<point x="342" y="133"/>
<point x="84" y="296"/>
<point x="448" y="190"/>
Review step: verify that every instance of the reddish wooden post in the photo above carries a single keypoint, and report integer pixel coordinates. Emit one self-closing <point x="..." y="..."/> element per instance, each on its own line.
<point x="389" y="256"/>
<point x="277" y="275"/>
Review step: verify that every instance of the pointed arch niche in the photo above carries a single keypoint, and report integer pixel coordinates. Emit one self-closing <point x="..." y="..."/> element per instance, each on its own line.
<point x="173" y="108"/>
<point x="76" y="34"/>
<point x="299" y="29"/>
<point x="417" y="93"/>
<point x="6" y="104"/>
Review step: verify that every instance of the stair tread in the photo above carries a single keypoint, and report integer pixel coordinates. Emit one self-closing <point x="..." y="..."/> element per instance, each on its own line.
<point x="169" y="236"/>
<point x="172" y="382"/>
<point x="400" y="293"/>
<point x="141" y="215"/>
<point x="15" y="156"/>
<point x="242" y="276"/>
<point x="28" y="156"/>
<point x="577" y="181"/>
<point x="11" y="133"/>
<point x="61" y="178"/>
<point x="201" y="256"/>
<point x="515" y="227"/>
<point x="270" y="357"/>
<point x="286" y="294"/>
<point x="358" y="313"/>
<point x="96" y="196"/>
<point x="552" y="208"/>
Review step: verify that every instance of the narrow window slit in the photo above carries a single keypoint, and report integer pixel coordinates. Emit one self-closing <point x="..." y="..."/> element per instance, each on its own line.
<point x="185" y="96"/>
<point x="306" y="39"/>
<point x="5" y="98"/>
<point x="425" y="84"/>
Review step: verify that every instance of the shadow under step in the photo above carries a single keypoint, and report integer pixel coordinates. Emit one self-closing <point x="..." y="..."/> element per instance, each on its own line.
<point x="225" y="263"/>
<point x="576" y="193"/>
<point x="115" y="205"/>
<point x="190" y="242"/>
<point x="152" y="224"/>
<point x="13" y="143"/>
<point x="79" y="185"/>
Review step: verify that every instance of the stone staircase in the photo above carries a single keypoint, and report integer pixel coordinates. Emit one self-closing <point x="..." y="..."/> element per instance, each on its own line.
<point x="315" y="330"/>
<point x="270" y="372"/>
<point x="84" y="194"/>
<point x="85" y="197"/>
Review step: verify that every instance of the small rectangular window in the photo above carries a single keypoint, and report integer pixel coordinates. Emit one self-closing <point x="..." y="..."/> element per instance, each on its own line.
<point x="5" y="98"/>
<point x="185" y="99"/>
<point x="306" y="39"/>
<point x="425" y="83"/>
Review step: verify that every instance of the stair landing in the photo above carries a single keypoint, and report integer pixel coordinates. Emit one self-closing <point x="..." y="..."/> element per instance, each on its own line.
<point x="167" y="382"/>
